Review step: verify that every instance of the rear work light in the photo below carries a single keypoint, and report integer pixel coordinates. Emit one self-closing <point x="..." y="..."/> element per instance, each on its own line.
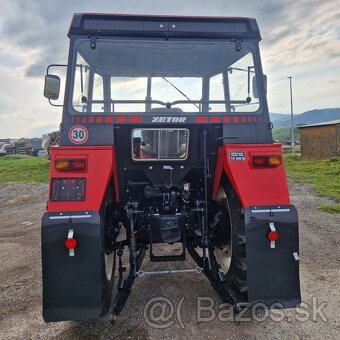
<point x="67" y="164"/>
<point x="266" y="160"/>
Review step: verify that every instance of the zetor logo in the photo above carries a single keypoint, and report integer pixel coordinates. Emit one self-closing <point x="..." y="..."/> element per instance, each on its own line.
<point x="169" y="119"/>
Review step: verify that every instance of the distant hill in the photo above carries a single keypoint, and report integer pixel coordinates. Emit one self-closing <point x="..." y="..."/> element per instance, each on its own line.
<point x="308" y="117"/>
<point x="274" y="117"/>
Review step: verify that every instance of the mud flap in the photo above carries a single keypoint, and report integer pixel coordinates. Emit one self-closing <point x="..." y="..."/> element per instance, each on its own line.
<point x="71" y="283"/>
<point x="272" y="268"/>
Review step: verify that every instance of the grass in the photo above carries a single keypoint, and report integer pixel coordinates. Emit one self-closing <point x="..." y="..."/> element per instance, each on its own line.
<point x="323" y="174"/>
<point x="20" y="168"/>
<point x="285" y="133"/>
<point x="334" y="209"/>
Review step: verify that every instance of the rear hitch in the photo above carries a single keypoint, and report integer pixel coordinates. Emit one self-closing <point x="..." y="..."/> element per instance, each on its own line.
<point x="226" y="293"/>
<point x="124" y="287"/>
<point x="136" y="258"/>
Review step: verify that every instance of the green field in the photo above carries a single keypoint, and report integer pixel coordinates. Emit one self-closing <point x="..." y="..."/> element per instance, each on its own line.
<point x="20" y="168"/>
<point x="324" y="175"/>
<point x="285" y="133"/>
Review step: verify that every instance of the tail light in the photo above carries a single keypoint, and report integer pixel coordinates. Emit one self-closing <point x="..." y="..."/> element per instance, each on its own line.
<point x="266" y="160"/>
<point x="67" y="164"/>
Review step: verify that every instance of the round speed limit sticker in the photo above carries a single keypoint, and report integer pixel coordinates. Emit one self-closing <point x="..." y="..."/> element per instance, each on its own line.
<point x="78" y="134"/>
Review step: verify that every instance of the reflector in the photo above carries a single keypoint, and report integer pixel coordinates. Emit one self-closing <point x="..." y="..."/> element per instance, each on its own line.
<point x="70" y="243"/>
<point x="273" y="236"/>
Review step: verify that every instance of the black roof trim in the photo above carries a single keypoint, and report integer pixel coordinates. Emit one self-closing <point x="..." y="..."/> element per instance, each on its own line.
<point x="167" y="26"/>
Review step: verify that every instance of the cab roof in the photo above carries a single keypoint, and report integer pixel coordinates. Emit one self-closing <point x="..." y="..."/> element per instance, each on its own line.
<point x="163" y="25"/>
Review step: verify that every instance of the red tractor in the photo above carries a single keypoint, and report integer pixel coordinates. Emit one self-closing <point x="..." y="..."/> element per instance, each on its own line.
<point x="165" y="138"/>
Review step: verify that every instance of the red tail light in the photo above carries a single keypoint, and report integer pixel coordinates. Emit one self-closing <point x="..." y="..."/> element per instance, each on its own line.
<point x="266" y="160"/>
<point x="67" y="164"/>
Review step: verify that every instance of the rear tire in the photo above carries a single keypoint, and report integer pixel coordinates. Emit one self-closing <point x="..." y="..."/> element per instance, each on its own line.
<point x="108" y="257"/>
<point x="236" y="276"/>
<point x="108" y="264"/>
<point x="229" y="255"/>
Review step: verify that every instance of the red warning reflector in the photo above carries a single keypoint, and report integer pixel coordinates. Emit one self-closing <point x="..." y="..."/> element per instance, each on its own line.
<point x="70" y="243"/>
<point x="121" y="119"/>
<point x="136" y="119"/>
<point x="215" y="119"/>
<point x="273" y="235"/>
<point x="201" y="119"/>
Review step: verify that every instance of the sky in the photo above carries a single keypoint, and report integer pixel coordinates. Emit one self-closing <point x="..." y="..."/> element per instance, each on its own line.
<point x="300" y="38"/>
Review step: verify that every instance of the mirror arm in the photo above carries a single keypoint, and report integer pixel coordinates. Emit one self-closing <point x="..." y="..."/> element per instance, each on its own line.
<point x="54" y="65"/>
<point x="56" y="105"/>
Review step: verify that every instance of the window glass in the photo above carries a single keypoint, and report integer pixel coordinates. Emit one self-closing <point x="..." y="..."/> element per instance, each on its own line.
<point x="125" y="88"/>
<point x="150" y="75"/>
<point x="81" y="82"/>
<point x="234" y="87"/>
<point x="160" y="144"/>
<point x="98" y="94"/>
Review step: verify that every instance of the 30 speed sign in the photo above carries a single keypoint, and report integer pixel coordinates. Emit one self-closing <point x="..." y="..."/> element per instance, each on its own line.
<point x="78" y="134"/>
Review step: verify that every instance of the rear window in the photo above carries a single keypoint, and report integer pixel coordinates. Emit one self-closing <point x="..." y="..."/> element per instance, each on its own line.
<point x="144" y="76"/>
<point x="160" y="144"/>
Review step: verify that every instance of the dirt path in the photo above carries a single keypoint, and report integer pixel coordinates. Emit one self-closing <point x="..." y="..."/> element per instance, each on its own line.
<point x="21" y="207"/>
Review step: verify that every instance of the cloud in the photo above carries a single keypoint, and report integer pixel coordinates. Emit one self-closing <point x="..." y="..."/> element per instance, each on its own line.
<point x="306" y="32"/>
<point x="293" y="31"/>
<point x="36" y="28"/>
<point x="300" y="38"/>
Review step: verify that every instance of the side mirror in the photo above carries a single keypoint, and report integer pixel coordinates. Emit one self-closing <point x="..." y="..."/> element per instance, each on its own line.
<point x="52" y="87"/>
<point x="255" y="89"/>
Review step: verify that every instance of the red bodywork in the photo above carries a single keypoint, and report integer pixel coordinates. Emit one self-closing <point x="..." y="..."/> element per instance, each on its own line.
<point x="254" y="186"/>
<point x="100" y="168"/>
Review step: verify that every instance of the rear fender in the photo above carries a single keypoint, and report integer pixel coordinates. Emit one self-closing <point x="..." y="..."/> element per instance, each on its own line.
<point x="254" y="186"/>
<point x="272" y="273"/>
<point x="101" y="167"/>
